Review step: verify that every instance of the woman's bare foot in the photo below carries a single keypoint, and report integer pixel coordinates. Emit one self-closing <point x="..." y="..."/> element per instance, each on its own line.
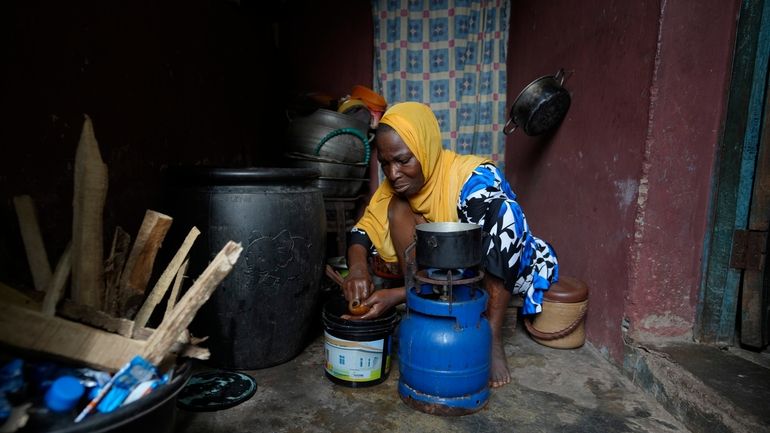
<point x="499" y="298"/>
<point x="498" y="374"/>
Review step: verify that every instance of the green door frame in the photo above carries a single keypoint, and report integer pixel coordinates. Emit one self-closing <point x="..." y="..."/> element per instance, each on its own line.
<point x="737" y="157"/>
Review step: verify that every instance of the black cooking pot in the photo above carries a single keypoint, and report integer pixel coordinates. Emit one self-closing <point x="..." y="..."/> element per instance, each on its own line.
<point x="540" y="107"/>
<point x="448" y="245"/>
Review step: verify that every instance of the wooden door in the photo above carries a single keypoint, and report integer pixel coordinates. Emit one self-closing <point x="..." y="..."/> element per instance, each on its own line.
<point x="750" y="248"/>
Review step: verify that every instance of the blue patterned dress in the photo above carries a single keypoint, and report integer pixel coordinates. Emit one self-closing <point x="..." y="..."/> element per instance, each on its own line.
<point x="528" y="265"/>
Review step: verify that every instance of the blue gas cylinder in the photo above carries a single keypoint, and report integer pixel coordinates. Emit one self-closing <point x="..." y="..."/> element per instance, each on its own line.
<point x="445" y="352"/>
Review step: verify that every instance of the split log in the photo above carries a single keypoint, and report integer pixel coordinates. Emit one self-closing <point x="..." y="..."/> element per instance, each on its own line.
<point x="58" y="282"/>
<point x="88" y="203"/>
<point x="33" y="241"/>
<point x="139" y="265"/>
<point x="163" y="338"/>
<point x="175" y="289"/>
<point x="113" y="269"/>
<point x="161" y="286"/>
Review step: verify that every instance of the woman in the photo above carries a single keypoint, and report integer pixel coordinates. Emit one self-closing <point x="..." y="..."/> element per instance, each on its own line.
<point x="426" y="183"/>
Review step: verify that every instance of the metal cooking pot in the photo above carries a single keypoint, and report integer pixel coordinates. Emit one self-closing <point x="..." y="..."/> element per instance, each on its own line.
<point x="540" y="107"/>
<point x="448" y="245"/>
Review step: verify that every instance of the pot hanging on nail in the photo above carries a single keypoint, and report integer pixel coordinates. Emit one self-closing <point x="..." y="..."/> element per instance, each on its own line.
<point x="540" y="107"/>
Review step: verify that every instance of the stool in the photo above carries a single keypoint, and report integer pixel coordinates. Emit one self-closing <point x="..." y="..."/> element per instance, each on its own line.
<point x="339" y="220"/>
<point x="561" y="324"/>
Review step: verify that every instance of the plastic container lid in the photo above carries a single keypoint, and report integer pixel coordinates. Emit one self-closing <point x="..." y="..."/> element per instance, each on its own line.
<point x="64" y="394"/>
<point x="567" y="290"/>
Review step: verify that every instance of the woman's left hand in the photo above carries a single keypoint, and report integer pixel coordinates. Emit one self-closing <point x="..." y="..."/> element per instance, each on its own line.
<point x="379" y="302"/>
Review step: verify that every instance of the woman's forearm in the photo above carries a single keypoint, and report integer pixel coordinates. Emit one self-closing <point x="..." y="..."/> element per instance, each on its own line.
<point x="357" y="259"/>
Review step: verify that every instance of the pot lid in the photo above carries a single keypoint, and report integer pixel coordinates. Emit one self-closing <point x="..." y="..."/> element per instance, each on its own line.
<point x="447" y="227"/>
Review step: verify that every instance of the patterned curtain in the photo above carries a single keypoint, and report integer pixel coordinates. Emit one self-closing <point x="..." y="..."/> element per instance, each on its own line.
<point x="449" y="54"/>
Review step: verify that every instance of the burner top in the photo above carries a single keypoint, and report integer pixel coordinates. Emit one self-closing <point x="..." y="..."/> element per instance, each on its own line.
<point x="444" y="274"/>
<point x="440" y="277"/>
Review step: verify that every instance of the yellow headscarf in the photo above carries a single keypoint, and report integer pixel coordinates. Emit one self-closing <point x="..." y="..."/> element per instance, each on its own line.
<point x="445" y="173"/>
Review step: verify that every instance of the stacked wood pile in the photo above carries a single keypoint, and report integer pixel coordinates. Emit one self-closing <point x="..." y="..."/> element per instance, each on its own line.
<point x="103" y="321"/>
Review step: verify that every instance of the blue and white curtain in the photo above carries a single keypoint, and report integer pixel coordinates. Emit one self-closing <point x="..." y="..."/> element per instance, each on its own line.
<point x="449" y="54"/>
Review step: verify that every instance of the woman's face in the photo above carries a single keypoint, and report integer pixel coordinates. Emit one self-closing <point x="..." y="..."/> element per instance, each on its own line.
<point x="399" y="164"/>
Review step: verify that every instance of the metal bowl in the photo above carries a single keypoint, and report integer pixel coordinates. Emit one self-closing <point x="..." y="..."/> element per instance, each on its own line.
<point x="327" y="167"/>
<point x="306" y="134"/>
<point x="340" y="187"/>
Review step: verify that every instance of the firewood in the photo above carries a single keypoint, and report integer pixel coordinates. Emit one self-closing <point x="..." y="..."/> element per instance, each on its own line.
<point x="32" y="330"/>
<point x="9" y="295"/>
<point x="58" y="282"/>
<point x="138" y="268"/>
<point x="27" y="329"/>
<point x="161" y="286"/>
<point x="33" y="241"/>
<point x="113" y="269"/>
<point x="88" y="203"/>
<point x="175" y="289"/>
<point x="96" y="318"/>
<point x="163" y="338"/>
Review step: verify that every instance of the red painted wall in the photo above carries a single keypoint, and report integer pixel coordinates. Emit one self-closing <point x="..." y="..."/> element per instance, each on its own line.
<point x="690" y="98"/>
<point x="646" y="110"/>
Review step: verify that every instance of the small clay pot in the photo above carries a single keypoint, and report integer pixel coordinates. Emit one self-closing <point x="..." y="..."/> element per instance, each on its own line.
<point x="357" y="308"/>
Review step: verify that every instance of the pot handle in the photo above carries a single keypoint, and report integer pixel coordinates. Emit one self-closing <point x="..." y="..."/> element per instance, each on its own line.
<point x="411" y="266"/>
<point x="350" y="131"/>
<point x="510" y="122"/>
<point x="559" y="76"/>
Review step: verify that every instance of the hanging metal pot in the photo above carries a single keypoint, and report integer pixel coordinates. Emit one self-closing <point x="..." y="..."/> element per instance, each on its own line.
<point x="540" y="107"/>
<point x="448" y="245"/>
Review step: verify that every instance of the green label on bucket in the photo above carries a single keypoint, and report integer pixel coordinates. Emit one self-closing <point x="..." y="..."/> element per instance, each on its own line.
<point x="356" y="361"/>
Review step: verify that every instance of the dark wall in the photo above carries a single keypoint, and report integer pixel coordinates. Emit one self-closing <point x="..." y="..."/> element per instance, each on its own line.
<point x="200" y="82"/>
<point x="328" y="45"/>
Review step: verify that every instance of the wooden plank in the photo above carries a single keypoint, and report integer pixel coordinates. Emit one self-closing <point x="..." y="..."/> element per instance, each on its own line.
<point x="754" y="294"/>
<point x="11" y="296"/>
<point x="96" y="318"/>
<point x="717" y="310"/>
<point x="175" y="289"/>
<point x="33" y="241"/>
<point x="113" y="269"/>
<point x="32" y="330"/>
<point x="88" y="208"/>
<point x="163" y="338"/>
<point x="140" y="261"/>
<point x="58" y="282"/>
<point x="161" y="286"/>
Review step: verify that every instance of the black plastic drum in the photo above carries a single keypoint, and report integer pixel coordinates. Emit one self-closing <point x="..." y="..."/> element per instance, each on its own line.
<point x="264" y="312"/>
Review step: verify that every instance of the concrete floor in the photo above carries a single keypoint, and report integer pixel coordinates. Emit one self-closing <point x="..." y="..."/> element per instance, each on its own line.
<point x="552" y="391"/>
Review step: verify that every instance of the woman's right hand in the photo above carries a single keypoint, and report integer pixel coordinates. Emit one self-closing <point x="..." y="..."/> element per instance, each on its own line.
<point x="381" y="301"/>
<point x="358" y="285"/>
